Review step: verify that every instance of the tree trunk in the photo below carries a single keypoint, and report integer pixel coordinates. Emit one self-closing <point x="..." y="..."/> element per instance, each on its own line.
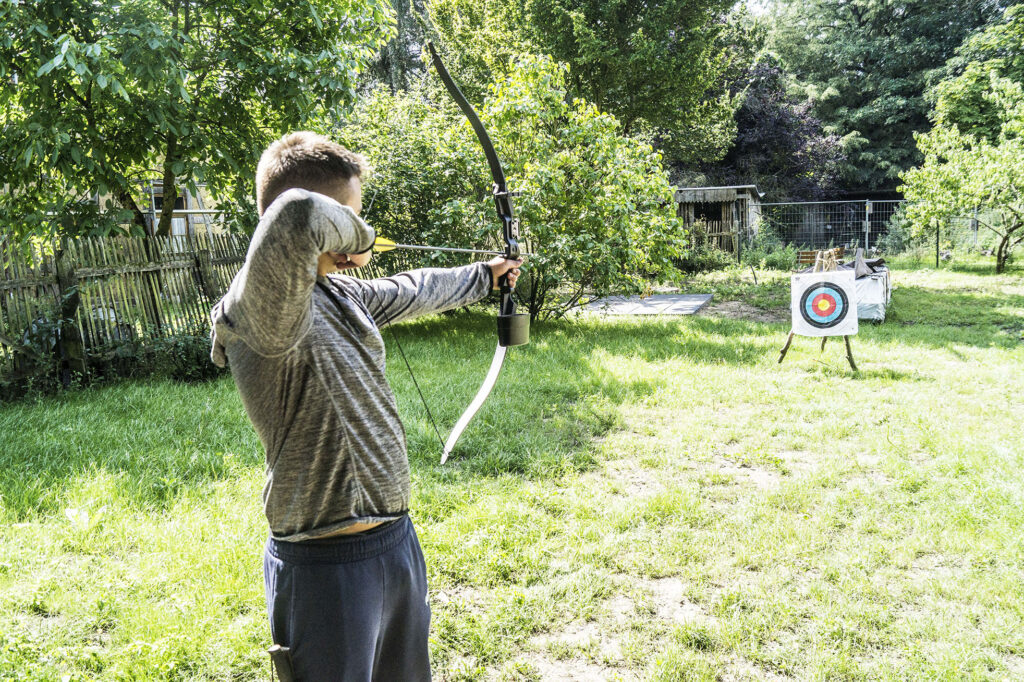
<point x="125" y="198"/>
<point x="1003" y="253"/>
<point x="170" y="191"/>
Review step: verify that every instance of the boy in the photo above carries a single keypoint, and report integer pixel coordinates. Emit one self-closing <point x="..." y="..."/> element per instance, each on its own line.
<point x="344" y="576"/>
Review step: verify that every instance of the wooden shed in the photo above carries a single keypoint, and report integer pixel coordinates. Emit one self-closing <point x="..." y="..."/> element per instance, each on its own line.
<point x="730" y="213"/>
<point x="729" y="208"/>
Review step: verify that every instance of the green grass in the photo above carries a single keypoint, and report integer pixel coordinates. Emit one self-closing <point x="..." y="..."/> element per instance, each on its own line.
<point x="650" y="499"/>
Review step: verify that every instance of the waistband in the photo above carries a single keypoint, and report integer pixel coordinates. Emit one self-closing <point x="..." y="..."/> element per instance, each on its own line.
<point x="343" y="548"/>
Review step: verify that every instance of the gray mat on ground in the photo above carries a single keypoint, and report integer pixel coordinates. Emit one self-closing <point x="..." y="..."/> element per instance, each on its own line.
<point x="659" y="304"/>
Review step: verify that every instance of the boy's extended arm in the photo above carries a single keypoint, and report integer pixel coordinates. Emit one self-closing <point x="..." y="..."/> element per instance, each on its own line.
<point x="424" y="291"/>
<point x="268" y="304"/>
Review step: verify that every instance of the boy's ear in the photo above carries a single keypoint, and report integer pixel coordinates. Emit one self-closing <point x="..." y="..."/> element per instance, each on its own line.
<point x="348" y="192"/>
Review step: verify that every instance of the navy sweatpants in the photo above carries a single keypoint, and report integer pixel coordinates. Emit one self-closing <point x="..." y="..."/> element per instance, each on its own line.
<point x="352" y="608"/>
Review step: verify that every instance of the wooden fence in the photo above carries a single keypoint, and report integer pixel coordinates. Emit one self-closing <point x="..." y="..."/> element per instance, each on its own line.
<point x="83" y="301"/>
<point x="86" y="297"/>
<point x="719" y="234"/>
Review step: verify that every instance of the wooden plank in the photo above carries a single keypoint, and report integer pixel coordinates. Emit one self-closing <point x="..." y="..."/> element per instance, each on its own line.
<point x="146" y="302"/>
<point x="75" y="257"/>
<point x="125" y="317"/>
<point x="100" y="309"/>
<point x="143" y="314"/>
<point x="156" y="283"/>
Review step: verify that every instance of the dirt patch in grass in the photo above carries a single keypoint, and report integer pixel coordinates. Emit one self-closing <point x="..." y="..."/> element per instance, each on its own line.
<point x="1015" y="664"/>
<point x="467" y="598"/>
<point x="592" y="650"/>
<point x="631" y="480"/>
<point x="579" y="651"/>
<point x="741" y="670"/>
<point x="670" y="602"/>
<point x="573" y="670"/>
<point x="738" y="310"/>
<point x="724" y="471"/>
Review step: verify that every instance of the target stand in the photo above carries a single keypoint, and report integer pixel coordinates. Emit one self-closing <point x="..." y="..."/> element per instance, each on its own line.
<point x="824" y="304"/>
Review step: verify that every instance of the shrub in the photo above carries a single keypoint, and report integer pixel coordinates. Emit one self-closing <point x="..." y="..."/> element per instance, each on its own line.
<point x="39" y="369"/>
<point x="768" y="250"/>
<point x="183" y="357"/>
<point x="596" y="206"/>
<point x="897" y="238"/>
<point x="704" y="259"/>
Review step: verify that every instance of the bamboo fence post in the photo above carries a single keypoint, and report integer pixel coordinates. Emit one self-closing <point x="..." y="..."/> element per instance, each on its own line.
<point x="72" y="349"/>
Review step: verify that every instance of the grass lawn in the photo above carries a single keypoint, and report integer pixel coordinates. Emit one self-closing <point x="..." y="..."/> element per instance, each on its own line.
<point x="652" y="499"/>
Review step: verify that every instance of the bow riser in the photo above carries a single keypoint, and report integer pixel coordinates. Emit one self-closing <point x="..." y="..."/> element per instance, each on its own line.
<point x="513" y="328"/>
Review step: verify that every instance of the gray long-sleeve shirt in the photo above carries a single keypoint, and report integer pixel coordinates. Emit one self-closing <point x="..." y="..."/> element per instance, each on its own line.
<point x="308" y="359"/>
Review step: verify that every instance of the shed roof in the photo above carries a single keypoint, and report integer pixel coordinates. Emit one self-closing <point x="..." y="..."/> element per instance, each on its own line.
<point x="716" y="194"/>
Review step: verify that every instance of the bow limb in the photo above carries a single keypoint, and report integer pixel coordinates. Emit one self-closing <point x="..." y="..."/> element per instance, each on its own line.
<point x="478" y="400"/>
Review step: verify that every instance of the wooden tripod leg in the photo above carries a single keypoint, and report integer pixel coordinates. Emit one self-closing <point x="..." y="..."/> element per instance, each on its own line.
<point x="849" y="353"/>
<point x="782" y="353"/>
<point x="823" y="340"/>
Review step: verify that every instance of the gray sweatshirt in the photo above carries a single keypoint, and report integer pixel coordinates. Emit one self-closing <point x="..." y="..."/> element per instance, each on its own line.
<point x="308" y="359"/>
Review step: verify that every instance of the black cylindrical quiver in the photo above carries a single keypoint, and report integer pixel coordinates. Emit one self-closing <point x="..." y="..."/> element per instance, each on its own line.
<point x="513" y="327"/>
<point x="514" y="330"/>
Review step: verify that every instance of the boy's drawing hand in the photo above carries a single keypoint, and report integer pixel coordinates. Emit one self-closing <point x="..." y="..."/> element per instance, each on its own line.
<point x="336" y="262"/>
<point x="500" y="265"/>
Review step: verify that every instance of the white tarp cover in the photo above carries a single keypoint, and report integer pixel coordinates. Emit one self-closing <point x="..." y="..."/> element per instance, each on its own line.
<point x="824" y="303"/>
<point x="873" y="294"/>
<point x="658" y="304"/>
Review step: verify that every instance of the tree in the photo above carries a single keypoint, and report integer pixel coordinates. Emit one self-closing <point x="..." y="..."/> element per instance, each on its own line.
<point x="596" y="206"/>
<point x="865" y="65"/>
<point x="963" y="173"/>
<point x="779" y="146"/>
<point x="480" y="40"/>
<point x="651" y="64"/>
<point x="95" y="94"/>
<point x="656" y="66"/>
<point x="398" y="63"/>
<point x="997" y="51"/>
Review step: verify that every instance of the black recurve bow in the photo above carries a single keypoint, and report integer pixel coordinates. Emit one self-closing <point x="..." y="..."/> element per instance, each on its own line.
<point x="513" y="327"/>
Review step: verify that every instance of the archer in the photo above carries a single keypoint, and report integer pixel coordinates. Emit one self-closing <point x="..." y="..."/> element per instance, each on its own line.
<point x="344" y="575"/>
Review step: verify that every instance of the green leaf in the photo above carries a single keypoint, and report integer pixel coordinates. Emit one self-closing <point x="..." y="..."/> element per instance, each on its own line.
<point x="46" y="68"/>
<point x="119" y="89"/>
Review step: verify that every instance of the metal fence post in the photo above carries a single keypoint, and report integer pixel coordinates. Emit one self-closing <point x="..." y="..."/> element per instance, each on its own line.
<point x="867" y="225"/>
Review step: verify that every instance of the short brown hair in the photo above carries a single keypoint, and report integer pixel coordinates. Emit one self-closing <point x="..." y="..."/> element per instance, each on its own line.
<point x="306" y="160"/>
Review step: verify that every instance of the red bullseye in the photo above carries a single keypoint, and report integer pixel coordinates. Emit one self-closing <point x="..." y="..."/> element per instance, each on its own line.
<point x="823" y="305"/>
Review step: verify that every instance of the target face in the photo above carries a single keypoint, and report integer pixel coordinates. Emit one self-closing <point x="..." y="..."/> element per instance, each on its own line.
<point x="823" y="304"/>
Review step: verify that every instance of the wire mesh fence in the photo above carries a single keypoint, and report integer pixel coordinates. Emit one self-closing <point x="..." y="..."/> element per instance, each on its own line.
<point x="827" y="224"/>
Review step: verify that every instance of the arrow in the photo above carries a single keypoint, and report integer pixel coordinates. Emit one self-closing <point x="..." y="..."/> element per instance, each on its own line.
<point x="382" y="245"/>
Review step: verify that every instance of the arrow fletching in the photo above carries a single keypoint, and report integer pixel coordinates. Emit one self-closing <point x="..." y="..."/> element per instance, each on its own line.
<point x="382" y="245"/>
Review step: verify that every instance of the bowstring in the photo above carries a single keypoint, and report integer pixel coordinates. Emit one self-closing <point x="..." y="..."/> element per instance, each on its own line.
<point x="371" y="268"/>
<point x="376" y="271"/>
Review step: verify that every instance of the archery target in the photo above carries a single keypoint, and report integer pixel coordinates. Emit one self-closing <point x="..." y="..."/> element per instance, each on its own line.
<point x="824" y="303"/>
